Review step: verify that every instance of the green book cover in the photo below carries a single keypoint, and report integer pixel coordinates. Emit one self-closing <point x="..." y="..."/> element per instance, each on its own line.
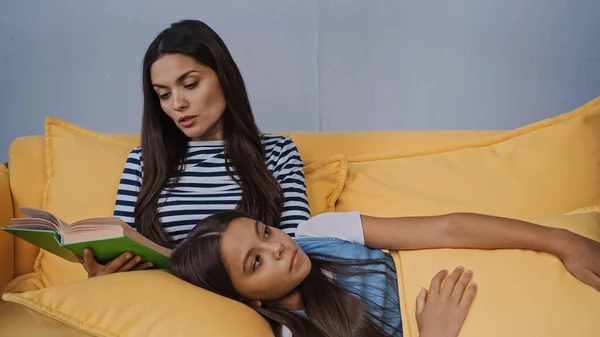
<point x="104" y="250"/>
<point x="45" y="239"/>
<point x="108" y="249"/>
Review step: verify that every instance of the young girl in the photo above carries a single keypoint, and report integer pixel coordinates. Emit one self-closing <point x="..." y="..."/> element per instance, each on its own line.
<point x="201" y="150"/>
<point x="333" y="279"/>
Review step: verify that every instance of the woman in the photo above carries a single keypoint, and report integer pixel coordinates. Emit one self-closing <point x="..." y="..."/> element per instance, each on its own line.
<point x="333" y="279"/>
<point x="201" y="150"/>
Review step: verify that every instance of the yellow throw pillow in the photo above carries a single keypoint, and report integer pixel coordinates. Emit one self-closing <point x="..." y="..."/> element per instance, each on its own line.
<point x="542" y="169"/>
<point x="84" y="168"/>
<point x="325" y="179"/>
<point x="520" y="293"/>
<point x="146" y="303"/>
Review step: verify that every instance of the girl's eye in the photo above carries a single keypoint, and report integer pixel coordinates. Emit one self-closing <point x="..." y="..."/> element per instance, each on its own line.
<point x="191" y="85"/>
<point x="267" y="232"/>
<point x="256" y="262"/>
<point x="164" y="96"/>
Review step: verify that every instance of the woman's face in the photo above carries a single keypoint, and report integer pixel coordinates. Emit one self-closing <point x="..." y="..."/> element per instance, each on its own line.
<point x="190" y="94"/>
<point x="264" y="263"/>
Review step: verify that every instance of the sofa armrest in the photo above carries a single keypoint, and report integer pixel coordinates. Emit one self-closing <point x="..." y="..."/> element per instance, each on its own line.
<point x="6" y="240"/>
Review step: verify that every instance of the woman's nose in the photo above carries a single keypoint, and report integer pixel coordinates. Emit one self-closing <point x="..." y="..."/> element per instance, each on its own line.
<point x="179" y="102"/>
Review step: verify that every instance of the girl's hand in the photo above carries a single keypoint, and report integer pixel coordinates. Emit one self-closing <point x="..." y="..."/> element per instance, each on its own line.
<point x="124" y="262"/>
<point x="442" y="311"/>
<point x="581" y="257"/>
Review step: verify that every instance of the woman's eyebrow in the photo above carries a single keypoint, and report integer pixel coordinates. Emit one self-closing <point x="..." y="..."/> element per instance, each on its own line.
<point x="179" y="79"/>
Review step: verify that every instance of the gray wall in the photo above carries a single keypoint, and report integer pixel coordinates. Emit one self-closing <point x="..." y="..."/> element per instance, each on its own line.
<point x="310" y="65"/>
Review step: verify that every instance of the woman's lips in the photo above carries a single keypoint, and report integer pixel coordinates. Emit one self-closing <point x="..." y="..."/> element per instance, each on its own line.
<point x="187" y="121"/>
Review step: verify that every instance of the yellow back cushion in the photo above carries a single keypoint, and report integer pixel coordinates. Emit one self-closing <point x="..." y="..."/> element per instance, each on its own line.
<point x="542" y="169"/>
<point x="358" y="144"/>
<point x="520" y="293"/>
<point x="84" y="168"/>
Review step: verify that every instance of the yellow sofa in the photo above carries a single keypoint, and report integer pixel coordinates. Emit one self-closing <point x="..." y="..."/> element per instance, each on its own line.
<point x="521" y="173"/>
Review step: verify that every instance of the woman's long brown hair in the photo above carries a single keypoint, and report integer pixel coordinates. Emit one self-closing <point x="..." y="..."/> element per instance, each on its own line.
<point x="331" y="310"/>
<point x="164" y="146"/>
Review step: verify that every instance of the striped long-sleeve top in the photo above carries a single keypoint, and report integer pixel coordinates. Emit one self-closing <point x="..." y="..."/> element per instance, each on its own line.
<point x="206" y="187"/>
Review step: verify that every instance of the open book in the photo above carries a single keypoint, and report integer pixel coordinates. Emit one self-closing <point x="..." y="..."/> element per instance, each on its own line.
<point x="107" y="237"/>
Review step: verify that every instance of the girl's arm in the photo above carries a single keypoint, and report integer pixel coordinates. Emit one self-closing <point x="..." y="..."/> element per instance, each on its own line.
<point x="580" y="255"/>
<point x="460" y="230"/>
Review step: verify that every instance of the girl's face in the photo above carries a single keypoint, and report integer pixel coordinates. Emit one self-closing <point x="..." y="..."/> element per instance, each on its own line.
<point x="190" y="94"/>
<point x="264" y="263"/>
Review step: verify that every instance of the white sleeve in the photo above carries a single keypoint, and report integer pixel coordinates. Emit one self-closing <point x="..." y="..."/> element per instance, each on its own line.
<point x="346" y="226"/>
<point x="285" y="332"/>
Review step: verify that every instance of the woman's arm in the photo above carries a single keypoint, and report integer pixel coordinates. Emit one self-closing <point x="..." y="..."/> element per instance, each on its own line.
<point x="129" y="188"/>
<point x="289" y="172"/>
<point x="580" y="255"/>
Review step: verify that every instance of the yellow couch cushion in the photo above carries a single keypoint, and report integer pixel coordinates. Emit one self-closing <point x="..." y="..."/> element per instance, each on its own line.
<point x="521" y="293"/>
<point x="6" y="240"/>
<point x="84" y="168"/>
<point x="542" y="169"/>
<point x="27" y="182"/>
<point x="147" y="303"/>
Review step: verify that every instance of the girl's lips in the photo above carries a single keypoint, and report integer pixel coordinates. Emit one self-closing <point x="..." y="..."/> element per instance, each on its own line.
<point x="294" y="259"/>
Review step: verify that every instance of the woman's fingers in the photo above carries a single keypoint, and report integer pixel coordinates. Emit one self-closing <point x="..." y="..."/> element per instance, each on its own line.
<point x="143" y="266"/>
<point x="116" y="264"/>
<point x="89" y="263"/>
<point x="130" y="264"/>
<point x="123" y="262"/>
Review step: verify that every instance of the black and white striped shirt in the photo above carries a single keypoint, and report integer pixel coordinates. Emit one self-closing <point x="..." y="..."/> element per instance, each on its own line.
<point x="206" y="187"/>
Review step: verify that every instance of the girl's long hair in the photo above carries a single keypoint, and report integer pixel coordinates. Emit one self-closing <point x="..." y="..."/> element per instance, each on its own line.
<point x="331" y="310"/>
<point x="164" y="146"/>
